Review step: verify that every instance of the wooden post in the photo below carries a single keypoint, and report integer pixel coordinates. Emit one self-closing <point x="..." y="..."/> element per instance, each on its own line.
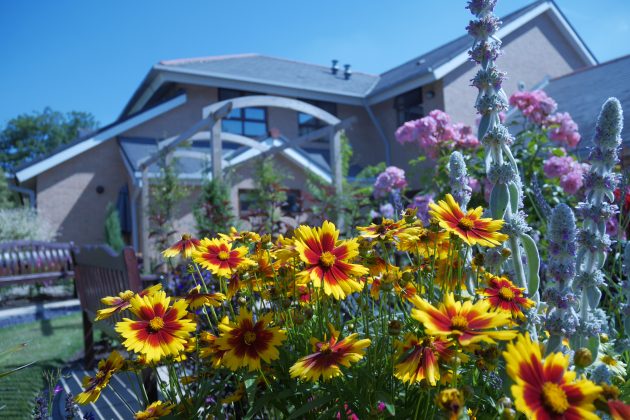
<point x="337" y="170"/>
<point x="217" y="155"/>
<point x="144" y="204"/>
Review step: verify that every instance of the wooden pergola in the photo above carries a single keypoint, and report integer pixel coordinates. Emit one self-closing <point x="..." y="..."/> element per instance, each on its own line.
<point x="209" y="127"/>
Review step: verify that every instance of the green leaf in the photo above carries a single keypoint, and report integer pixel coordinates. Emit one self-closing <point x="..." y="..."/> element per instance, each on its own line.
<point x="311" y="405"/>
<point x="593" y="345"/>
<point x="533" y="264"/>
<point x="593" y="294"/>
<point x="484" y="123"/>
<point x="499" y="199"/>
<point x="271" y="397"/>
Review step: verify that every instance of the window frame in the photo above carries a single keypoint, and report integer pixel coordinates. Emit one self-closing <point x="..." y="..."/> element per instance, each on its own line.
<point x="409" y="106"/>
<point x="242" y="118"/>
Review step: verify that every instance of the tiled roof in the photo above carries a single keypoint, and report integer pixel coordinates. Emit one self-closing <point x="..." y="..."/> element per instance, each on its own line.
<point x="277" y="71"/>
<point x="582" y="94"/>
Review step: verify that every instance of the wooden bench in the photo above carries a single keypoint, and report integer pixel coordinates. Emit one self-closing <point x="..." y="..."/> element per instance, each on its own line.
<point x="28" y="262"/>
<point x="100" y="272"/>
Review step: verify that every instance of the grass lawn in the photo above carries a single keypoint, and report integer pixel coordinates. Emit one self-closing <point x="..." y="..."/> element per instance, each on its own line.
<point x="49" y="342"/>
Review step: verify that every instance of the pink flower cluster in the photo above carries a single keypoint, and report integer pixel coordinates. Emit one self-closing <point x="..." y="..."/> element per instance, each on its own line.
<point x="436" y="131"/>
<point x="569" y="171"/>
<point x="388" y="180"/>
<point x="562" y="129"/>
<point x="536" y="106"/>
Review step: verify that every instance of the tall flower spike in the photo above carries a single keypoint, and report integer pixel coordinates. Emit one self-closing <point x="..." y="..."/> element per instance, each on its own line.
<point x="593" y="241"/>
<point x="626" y="288"/>
<point x="458" y="175"/>
<point x="506" y="195"/>
<point x="561" y="319"/>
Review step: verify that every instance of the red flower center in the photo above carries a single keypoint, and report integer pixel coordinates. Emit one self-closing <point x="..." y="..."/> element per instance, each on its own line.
<point x="249" y="337"/>
<point x="466" y="223"/>
<point x="327" y="259"/>
<point x="223" y="255"/>
<point x="156" y="324"/>
<point x="554" y="398"/>
<point x="506" y="293"/>
<point x="459" y="323"/>
<point x="325" y="348"/>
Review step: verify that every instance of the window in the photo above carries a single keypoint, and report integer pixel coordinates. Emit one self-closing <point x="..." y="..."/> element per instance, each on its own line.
<point x="251" y="122"/>
<point x="308" y="123"/>
<point x="409" y="106"/>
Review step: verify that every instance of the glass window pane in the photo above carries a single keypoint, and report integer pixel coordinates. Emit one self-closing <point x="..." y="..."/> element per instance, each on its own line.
<point x="305" y="118"/>
<point x="255" y="114"/>
<point x="231" y="126"/>
<point x="235" y="114"/>
<point x="255" y="129"/>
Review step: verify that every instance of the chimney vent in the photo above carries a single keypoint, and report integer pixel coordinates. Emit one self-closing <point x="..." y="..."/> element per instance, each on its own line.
<point x="335" y="67"/>
<point x="347" y="72"/>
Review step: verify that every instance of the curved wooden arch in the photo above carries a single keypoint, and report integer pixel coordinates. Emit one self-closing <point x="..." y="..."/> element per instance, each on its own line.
<point x="273" y="102"/>
<point x="232" y="138"/>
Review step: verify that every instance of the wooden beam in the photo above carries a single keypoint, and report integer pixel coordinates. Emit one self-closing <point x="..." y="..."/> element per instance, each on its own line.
<point x="211" y="119"/>
<point x="313" y="135"/>
<point x="336" y="162"/>
<point x="144" y="204"/>
<point x="274" y="102"/>
<point x="216" y="151"/>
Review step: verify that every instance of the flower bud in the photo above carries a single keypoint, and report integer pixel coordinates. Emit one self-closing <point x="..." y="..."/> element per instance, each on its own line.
<point x="394" y="327"/>
<point x="583" y="357"/>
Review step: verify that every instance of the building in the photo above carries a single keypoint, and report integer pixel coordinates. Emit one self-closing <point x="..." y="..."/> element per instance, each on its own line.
<point x="74" y="184"/>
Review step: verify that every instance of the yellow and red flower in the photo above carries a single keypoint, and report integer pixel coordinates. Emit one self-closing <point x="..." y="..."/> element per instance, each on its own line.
<point x="183" y="247"/>
<point x="470" y="226"/>
<point x="466" y="322"/>
<point x="154" y="411"/>
<point x="195" y="299"/>
<point x="619" y="410"/>
<point x="328" y="357"/>
<point x="160" y="330"/>
<point x="328" y="260"/>
<point x="385" y="230"/>
<point x="503" y="295"/>
<point x="121" y="302"/>
<point x="417" y="359"/>
<point x="94" y="386"/>
<point x="547" y="389"/>
<point x="218" y="256"/>
<point x="246" y="342"/>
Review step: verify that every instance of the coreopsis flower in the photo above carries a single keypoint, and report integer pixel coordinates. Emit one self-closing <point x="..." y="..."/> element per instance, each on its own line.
<point x="417" y="358"/>
<point x="328" y="260"/>
<point x="466" y="322"/>
<point x="159" y="330"/>
<point x="425" y="242"/>
<point x="328" y="356"/>
<point x="469" y="226"/>
<point x="246" y="342"/>
<point x="183" y="247"/>
<point x="451" y="401"/>
<point x="154" y="411"/>
<point x="547" y="389"/>
<point x="195" y="299"/>
<point x="450" y="273"/>
<point x="218" y="256"/>
<point x="503" y="295"/>
<point x="208" y="348"/>
<point x="94" y="385"/>
<point x="245" y="236"/>
<point x="619" y="410"/>
<point x="285" y="248"/>
<point x="121" y="302"/>
<point x="384" y="230"/>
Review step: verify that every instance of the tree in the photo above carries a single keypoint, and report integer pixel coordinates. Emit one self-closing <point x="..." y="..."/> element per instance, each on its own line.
<point x="29" y="136"/>
<point x="113" y="236"/>
<point x="6" y="196"/>
<point x="213" y="212"/>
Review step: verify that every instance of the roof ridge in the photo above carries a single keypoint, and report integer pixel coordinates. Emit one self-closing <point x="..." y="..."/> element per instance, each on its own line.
<point x="203" y="59"/>
<point x="595" y="67"/>
<point x="419" y="57"/>
<point x="291" y="60"/>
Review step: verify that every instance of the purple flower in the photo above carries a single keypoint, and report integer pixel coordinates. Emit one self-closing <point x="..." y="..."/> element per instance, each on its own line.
<point x="387" y="210"/>
<point x="556" y="166"/>
<point x="421" y="203"/>
<point x="571" y="182"/>
<point x="392" y="178"/>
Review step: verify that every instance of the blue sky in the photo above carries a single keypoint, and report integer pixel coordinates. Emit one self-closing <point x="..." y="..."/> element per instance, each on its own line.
<point x="91" y="55"/>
